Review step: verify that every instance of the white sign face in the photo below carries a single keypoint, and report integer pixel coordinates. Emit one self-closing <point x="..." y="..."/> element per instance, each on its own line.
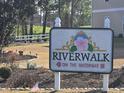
<point x="81" y="50"/>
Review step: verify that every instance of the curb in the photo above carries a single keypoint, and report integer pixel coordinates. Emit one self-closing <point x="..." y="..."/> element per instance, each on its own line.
<point x="52" y="89"/>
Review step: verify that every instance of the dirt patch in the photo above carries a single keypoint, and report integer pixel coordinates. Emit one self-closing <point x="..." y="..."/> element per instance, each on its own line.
<point x="38" y="50"/>
<point x="12" y="57"/>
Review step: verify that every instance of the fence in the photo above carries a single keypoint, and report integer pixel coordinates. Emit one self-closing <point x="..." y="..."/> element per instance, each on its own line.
<point x="32" y="37"/>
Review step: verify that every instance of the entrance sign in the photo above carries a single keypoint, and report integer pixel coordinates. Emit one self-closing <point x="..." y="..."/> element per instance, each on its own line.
<point x="81" y="50"/>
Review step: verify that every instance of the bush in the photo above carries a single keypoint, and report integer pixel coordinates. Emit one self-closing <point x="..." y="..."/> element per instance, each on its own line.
<point x="22" y="78"/>
<point x="5" y="72"/>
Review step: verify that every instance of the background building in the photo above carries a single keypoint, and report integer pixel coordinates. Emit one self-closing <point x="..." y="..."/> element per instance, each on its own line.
<point x="113" y="9"/>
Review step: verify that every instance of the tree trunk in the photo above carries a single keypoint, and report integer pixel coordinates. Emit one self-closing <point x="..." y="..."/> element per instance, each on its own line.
<point x="1" y="45"/>
<point x="66" y="20"/>
<point x="0" y="51"/>
<point x="41" y="17"/>
<point x="44" y="22"/>
<point x="31" y="25"/>
<point x="23" y="30"/>
<point x="71" y="17"/>
<point x="26" y="30"/>
<point x="17" y="33"/>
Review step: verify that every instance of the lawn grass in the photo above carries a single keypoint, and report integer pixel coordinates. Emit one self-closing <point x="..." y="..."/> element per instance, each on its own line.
<point x="36" y="29"/>
<point x="39" y="29"/>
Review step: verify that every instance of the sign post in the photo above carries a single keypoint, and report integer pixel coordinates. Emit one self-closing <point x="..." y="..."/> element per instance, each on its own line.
<point x="57" y="74"/>
<point x="57" y="80"/>
<point x="81" y="50"/>
<point x="105" y="83"/>
<point x="106" y="76"/>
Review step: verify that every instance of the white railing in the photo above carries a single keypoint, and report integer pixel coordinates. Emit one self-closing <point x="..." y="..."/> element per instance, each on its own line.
<point x="32" y="37"/>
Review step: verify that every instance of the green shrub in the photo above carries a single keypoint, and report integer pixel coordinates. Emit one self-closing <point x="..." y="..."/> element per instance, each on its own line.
<point x="5" y="72"/>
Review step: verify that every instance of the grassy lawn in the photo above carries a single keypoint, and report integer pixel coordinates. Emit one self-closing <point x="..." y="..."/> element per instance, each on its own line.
<point x="38" y="29"/>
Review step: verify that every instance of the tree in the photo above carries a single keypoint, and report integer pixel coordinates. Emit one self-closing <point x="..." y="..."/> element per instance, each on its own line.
<point x="73" y="4"/>
<point x="67" y="11"/>
<point x="7" y="22"/>
<point x="75" y="12"/>
<point x="46" y="6"/>
<point x="25" y="10"/>
<point x="82" y="13"/>
<point x="65" y="15"/>
<point x="20" y="6"/>
<point x="31" y="10"/>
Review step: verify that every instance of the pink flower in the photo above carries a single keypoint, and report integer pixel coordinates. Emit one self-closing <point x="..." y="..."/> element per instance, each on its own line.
<point x="81" y="43"/>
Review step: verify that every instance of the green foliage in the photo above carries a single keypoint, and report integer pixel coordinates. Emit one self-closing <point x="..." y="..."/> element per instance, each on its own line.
<point x="83" y="17"/>
<point x="73" y="48"/>
<point x="7" y="21"/>
<point x="46" y="6"/>
<point x="5" y="72"/>
<point x="25" y="10"/>
<point x="90" y="47"/>
<point x="15" y="13"/>
<point x="75" y="12"/>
